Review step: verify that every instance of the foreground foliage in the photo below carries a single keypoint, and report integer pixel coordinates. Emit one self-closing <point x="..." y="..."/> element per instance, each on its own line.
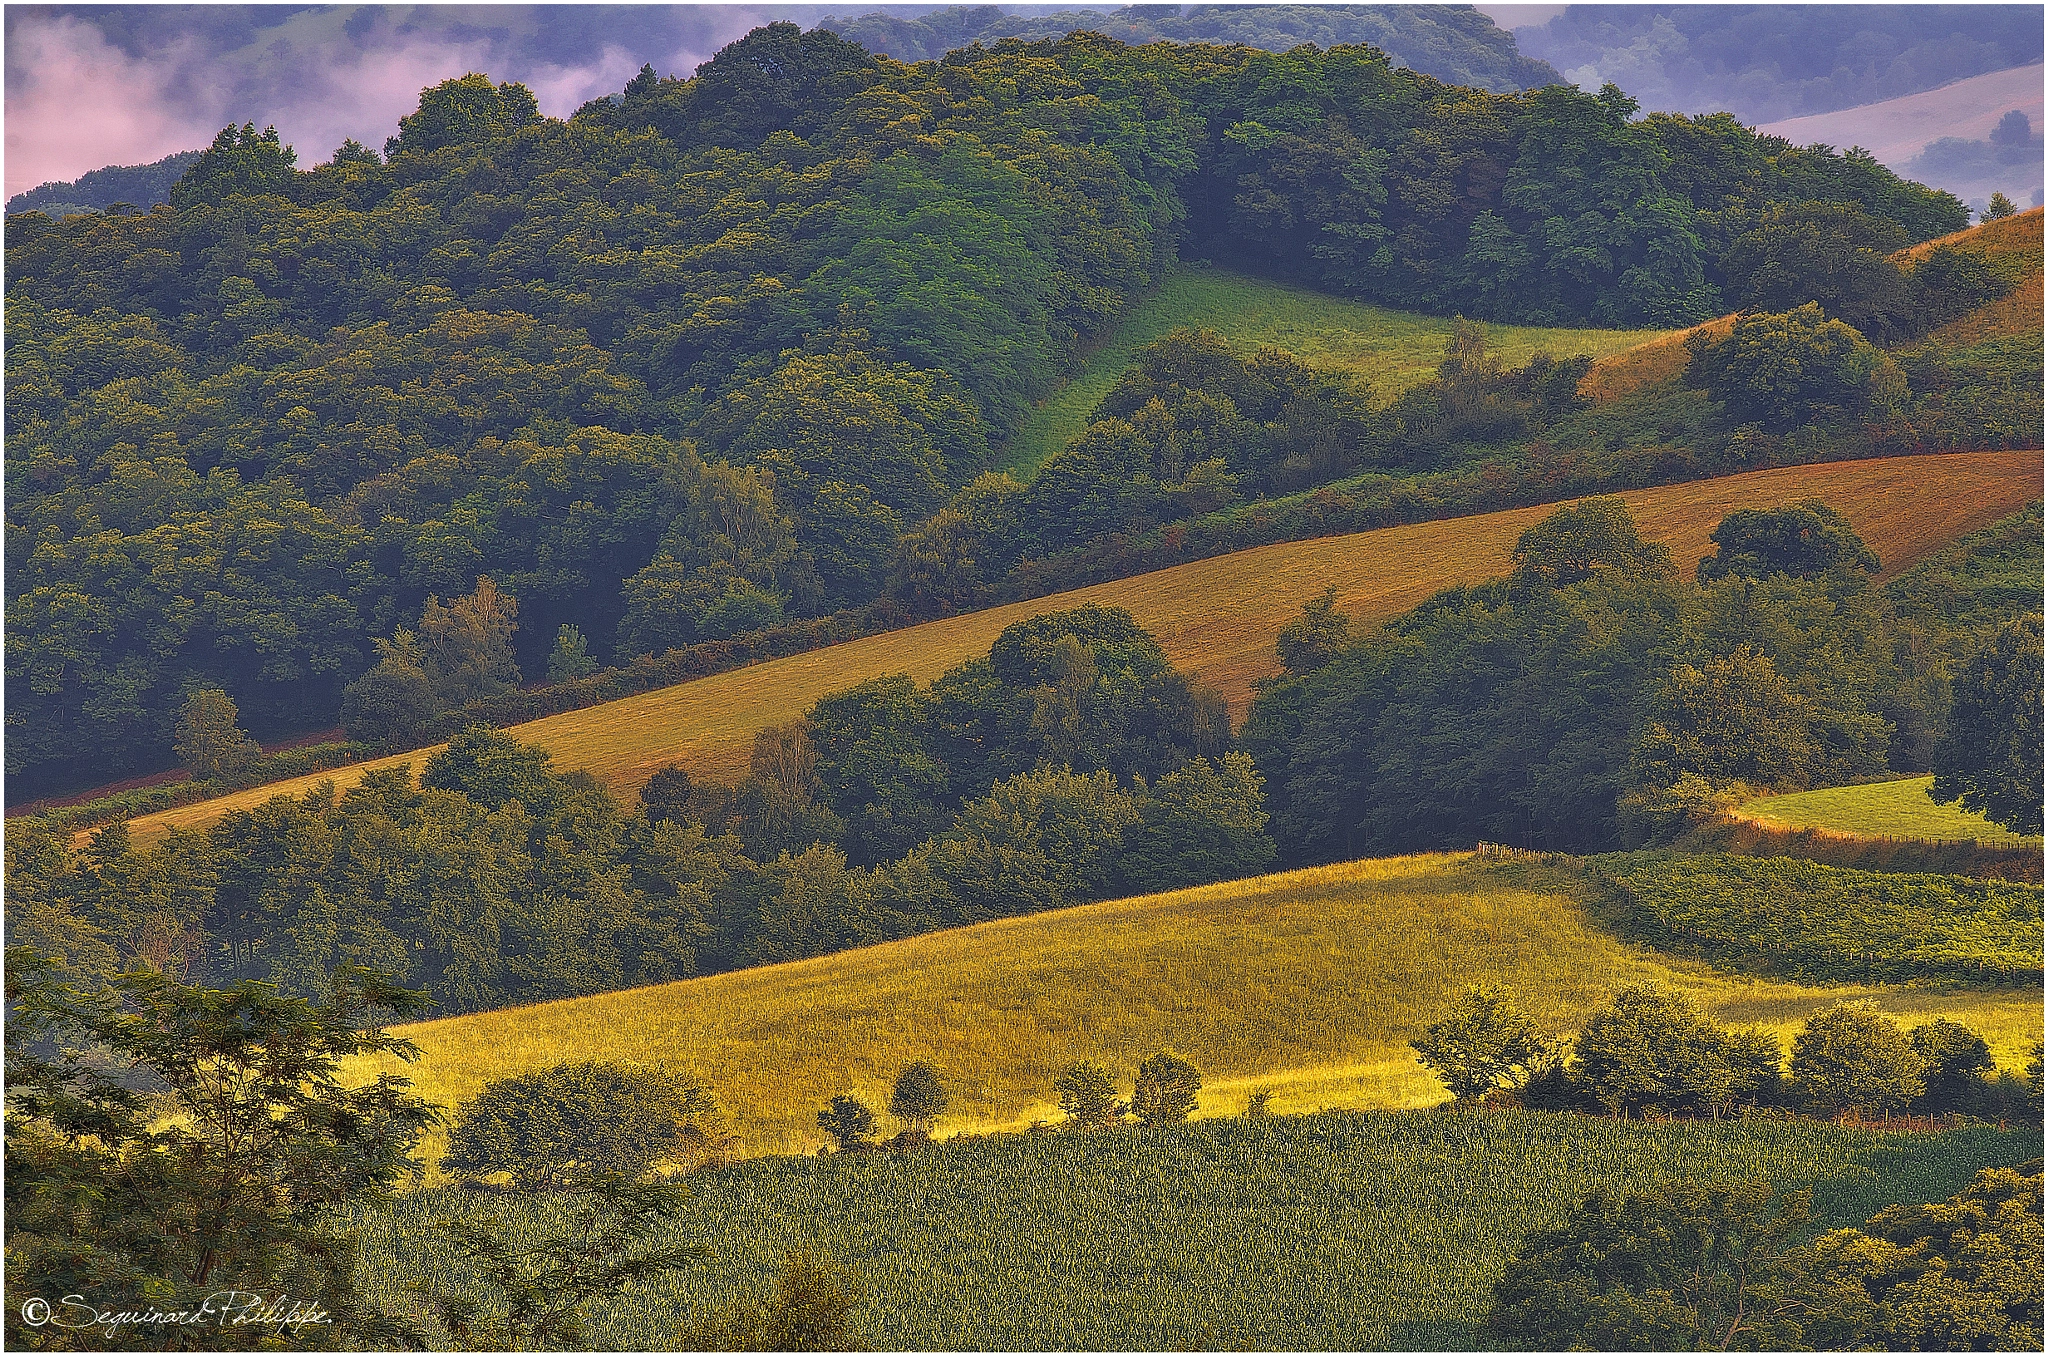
<point x="176" y="1149"/>
<point x="1721" y="1266"/>
<point x="1353" y="1230"/>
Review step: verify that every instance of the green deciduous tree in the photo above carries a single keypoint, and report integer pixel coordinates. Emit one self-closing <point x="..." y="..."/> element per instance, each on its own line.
<point x="1204" y="821"/>
<point x="1955" y="1060"/>
<point x="1087" y="1095"/>
<point x="1802" y="540"/>
<point x="1592" y="537"/>
<point x="467" y="643"/>
<point x="225" y="1179"/>
<point x="849" y="1121"/>
<point x="1784" y="369"/>
<point x="918" y="1098"/>
<point x="576" y="1122"/>
<point x="571" y="656"/>
<point x="1483" y="1043"/>
<point x="1650" y="1049"/>
<point x="1733" y="718"/>
<point x="1850" y="1058"/>
<point x="1990" y="759"/>
<point x="1682" y="1266"/>
<point x="1315" y="637"/>
<point x="1167" y="1089"/>
<point x="208" y="740"/>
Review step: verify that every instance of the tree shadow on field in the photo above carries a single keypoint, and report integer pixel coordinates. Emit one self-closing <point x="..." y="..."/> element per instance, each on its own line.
<point x="1434" y="1334"/>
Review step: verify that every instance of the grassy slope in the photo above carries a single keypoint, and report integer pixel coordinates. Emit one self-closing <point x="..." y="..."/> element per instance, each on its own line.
<point x="1900" y="809"/>
<point x="1308" y="983"/>
<point x="1392" y="350"/>
<point x="1343" y="1231"/>
<point x="2012" y="245"/>
<point x="1217" y="618"/>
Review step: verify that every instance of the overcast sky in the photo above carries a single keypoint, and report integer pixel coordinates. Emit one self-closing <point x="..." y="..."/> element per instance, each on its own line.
<point x="129" y="85"/>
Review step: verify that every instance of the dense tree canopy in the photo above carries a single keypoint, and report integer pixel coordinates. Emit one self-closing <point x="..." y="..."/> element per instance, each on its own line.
<point x="252" y="431"/>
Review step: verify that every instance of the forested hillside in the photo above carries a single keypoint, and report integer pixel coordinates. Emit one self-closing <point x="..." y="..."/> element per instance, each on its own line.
<point x="717" y="352"/>
<point x="141" y="186"/>
<point x="1456" y="44"/>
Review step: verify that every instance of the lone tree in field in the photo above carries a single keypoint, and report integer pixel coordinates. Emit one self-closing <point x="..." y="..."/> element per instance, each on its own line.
<point x="208" y="742"/>
<point x="1316" y="637"/>
<point x="848" y="1120"/>
<point x="1484" y="1042"/>
<point x="1166" y="1090"/>
<point x="1595" y="536"/>
<point x="568" y="1124"/>
<point x="918" y="1098"/>
<point x="1851" y="1058"/>
<point x="1804" y="540"/>
<point x="1990" y="759"/>
<point x="1088" y="1096"/>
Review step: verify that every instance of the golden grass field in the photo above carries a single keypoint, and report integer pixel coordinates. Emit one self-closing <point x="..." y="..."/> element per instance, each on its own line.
<point x="1218" y="618"/>
<point x="2012" y="245"/>
<point x="1895" y="809"/>
<point x="1308" y="983"/>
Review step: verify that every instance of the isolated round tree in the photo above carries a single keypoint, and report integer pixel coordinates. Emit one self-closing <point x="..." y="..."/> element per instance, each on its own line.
<point x="918" y="1099"/>
<point x="1088" y="1096"/>
<point x="850" y="1121"/>
<point x="1167" y="1088"/>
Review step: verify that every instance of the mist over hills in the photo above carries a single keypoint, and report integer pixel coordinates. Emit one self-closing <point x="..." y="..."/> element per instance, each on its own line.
<point x="1767" y="62"/>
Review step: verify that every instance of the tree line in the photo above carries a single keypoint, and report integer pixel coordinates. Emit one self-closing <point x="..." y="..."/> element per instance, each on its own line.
<point x="1593" y="698"/>
<point x="1072" y="764"/>
<point x="709" y="352"/>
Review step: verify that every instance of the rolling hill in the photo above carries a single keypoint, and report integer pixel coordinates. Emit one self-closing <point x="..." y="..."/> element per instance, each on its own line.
<point x="1390" y="350"/>
<point x="1308" y="984"/>
<point x="1218" y="618"/>
<point x="2011" y="246"/>
<point x="1894" y="809"/>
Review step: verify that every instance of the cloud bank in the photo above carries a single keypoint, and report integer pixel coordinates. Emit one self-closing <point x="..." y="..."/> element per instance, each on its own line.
<point x="89" y="86"/>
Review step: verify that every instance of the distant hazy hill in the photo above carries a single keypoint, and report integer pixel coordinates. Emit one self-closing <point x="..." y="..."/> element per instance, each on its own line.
<point x="1767" y="62"/>
<point x="143" y="185"/>
<point x="1454" y="43"/>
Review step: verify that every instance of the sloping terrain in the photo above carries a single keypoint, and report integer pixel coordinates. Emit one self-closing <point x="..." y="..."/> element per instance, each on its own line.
<point x="1218" y="618"/>
<point x="1390" y="350"/>
<point x="1895" y="809"/>
<point x="1307" y="983"/>
<point x="2012" y="246"/>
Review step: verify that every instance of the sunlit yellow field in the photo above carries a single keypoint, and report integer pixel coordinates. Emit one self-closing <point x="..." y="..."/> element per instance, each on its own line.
<point x="1218" y="618"/>
<point x="1308" y="984"/>
<point x="1896" y="809"/>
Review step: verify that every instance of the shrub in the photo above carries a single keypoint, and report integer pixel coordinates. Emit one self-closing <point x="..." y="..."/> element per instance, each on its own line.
<point x="1850" y="1058"/>
<point x="1483" y="1043"/>
<point x="918" y="1098"/>
<point x="848" y="1120"/>
<point x="810" y="1310"/>
<point x="1166" y="1089"/>
<point x="1088" y="1096"/>
<point x="573" y="1122"/>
